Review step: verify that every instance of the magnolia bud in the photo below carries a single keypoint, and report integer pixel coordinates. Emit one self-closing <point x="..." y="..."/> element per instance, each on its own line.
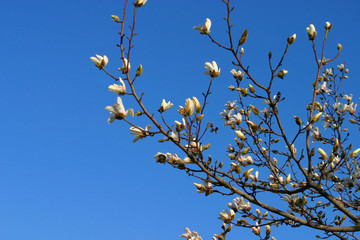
<point x="115" y="18"/>
<point x="251" y="88"/>
<point x="328" y="26"/>
<point x="281" y="74"/>
<point x="139" y="71"/>
<point x="242" y="51"/>
<point x="243" y="37"/>
<point x="339" y="47"/>
<point x="197" y="105"/>
<point x="291" y="39"/>
<point x="323" y="153"/>
<point x="316" y="117"/>
<point x="354" y="153"/>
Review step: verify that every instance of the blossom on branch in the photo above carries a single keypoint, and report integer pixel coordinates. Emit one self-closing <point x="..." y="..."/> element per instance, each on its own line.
<point x="165" y="106"/>
<point x="311" y="31"/>
<point x="190" y="235"/>
<point x="239" y="75"/>
<point x="117" y="88"/>
<point x="139" y="132"/>
<point x="125" y="67"/>
<point x="139" y="3"/>
<point x="118" y="111"/>
<point x="227" y="216"/>
<point x="213" y="69"/>
<point x="160" y="157"/>
<point x="204" y="29"/>
<point x="100" y="61"/>
<point x="206" y="187"/>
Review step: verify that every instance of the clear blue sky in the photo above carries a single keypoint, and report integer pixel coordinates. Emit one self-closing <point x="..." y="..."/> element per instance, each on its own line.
<point x="65" y="173"/>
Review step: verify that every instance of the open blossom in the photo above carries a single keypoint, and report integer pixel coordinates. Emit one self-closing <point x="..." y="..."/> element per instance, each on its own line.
<point x="100" y="61"/>
<point x="350" y="108"/>
<point x="213" y="69"/>
<point x="180" y="126"/>
<point x="231" y="105"/>
<point x="341" y="67"/>
<point x="237" y="74"/>
<point x="126" y="66"/>
<point x="190" y="235"/>
<point x="239" y="204"/>
<point x="291" y="199"/>
<point x="311" y="31"/>
<point x="246" y="160"/>
<point x="348" y="97"/>
<point x="165" y="106"/>
<point x="117" y="88"/>
<point x="140" y="132"/>
<point x="235" y="119"/>
<point x="118" y="111"/>
<point x="227" y="216"/>
<point x="139" y="3"/>
<point x="315" y="134"/>
<point x="275" y="179"/>
<point x="204" y="29"/>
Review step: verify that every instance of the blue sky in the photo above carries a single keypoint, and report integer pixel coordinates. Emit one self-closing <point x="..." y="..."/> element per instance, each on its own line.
<point x="65" y="173"/>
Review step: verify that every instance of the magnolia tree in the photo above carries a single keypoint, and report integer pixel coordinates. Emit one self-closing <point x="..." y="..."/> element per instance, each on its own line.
<point x="314" y="173"/>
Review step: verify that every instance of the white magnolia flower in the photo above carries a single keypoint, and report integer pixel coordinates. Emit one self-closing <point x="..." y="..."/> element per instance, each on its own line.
<point x="227" y="216"/>
<point x="348" y="97"/>
<point x="291" y="199"/>
<point x="139" y="3"/>
<point x="350" y="108"/>
<point x="165" y="105"/>
<point x="190" y="235"/>
<point x="231" y="105"/>
<point x="140" y="132"/>
<point x="315" y="134"/>
<point x="213" y="69"/>
<point x="117" y="88"/>
<point x="180" y="126"/>
<point x="100" y="61"/>
<point x="275" y="179"/>
<point x="204" y="29"/>
<point x="118" y="111"/>
<point x="235" y="119"/>
<point x="237" y="74"/>
<point x="126" y="66"/>
<point x="341" y="67"/>
<point x="311" y="31"/>
<point x="239" y="204"/>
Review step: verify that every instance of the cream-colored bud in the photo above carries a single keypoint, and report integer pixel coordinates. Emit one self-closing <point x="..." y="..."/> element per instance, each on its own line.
<point x="287" y="179"/>
<point x="291" y="39"/>
<point x="323" y="153"/>
<point x="242" y="51"/>
<point x="281" y="74"/>
<point x="197" y="105"/>
<point x="316" y="117"/>
<point x="115" y="18"/>
<point x="354" y="153"/>
<point x="339" y="47"/>
<point x="240" y="134"/>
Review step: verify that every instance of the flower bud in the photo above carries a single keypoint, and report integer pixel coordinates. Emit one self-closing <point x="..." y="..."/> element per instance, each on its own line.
<point x="139" y="71"/>
<point x="322" y="153"/>
<point x="243" y="37"/>
<point x="281" y="74"/>
<point x="197" y="105"/>
<point x="268" y="229"/>
<point x="251" y="88"/>
<point x="189" y="107"/>
<point x="139" y="3"/>
<point x="115" y="18"/>
<point x="240" y="134"/>
<point x="354" y="153"/>
<point x="339" y="47"/>
<point x="311" y="31"/>
<point x="316" y="117"/>
<point x="291" y="39"/>
<point x="242" y="51"/>
<point x="287" y="179"/>
<point x="328" y="26"/>
<point x="297" y="120"/>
